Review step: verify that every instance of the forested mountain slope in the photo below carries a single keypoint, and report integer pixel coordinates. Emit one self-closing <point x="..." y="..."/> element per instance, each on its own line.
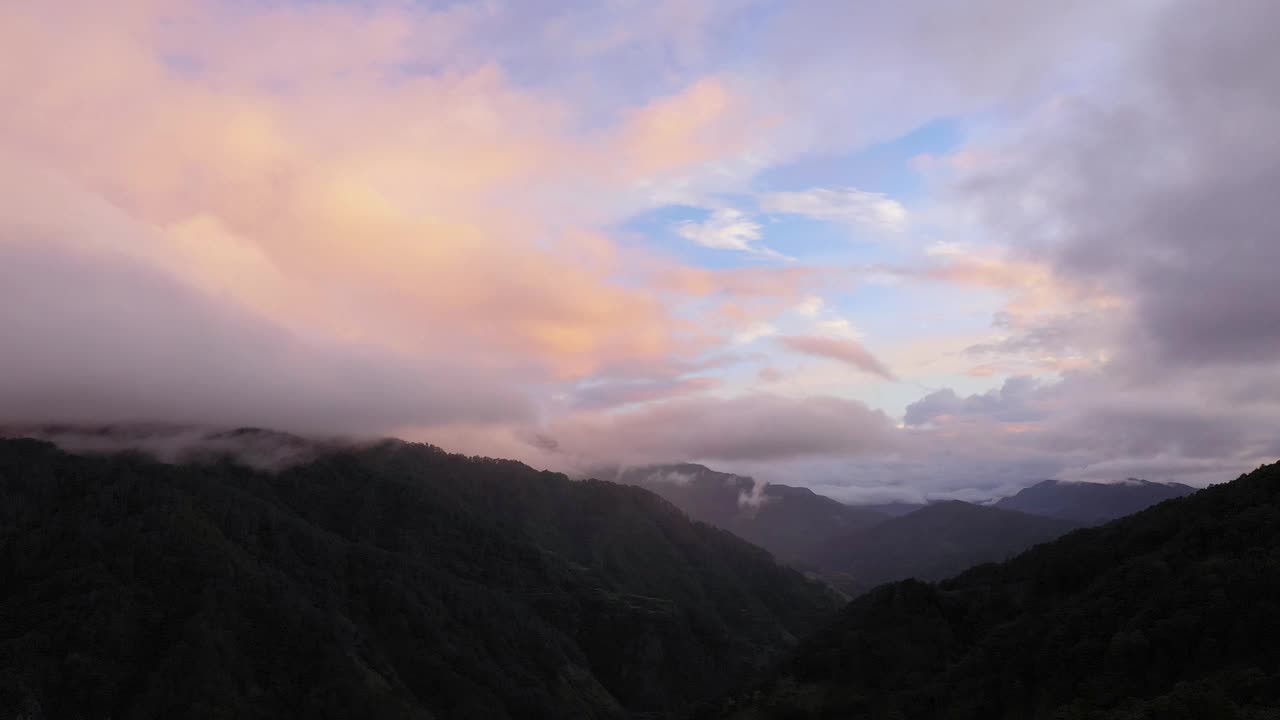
<point x="934" y="542"/>
<point x="396" y="581"/>
<point x="1172" y="613"/>
<point x="1091" y="503"/>
<point x="787" y="521"/>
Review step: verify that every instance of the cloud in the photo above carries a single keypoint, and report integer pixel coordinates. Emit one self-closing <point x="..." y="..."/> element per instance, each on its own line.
<point x="1197" y="471"/>
<point x="380" y="215"/>
<point x="1134" y="215"/>
<point x="1159" y="186"/>
<point x="945" y="248"/>
<point x="843" y="350"/>
<point x="1086" y="425"/>
<point x="904" y="66"/>
<point x="755" y="499"/>
<point x="874" y="211"/>
<point x="751" y="427"/>
<point x="605" y="394"/>
<point x="673" y="132"/>
<point x="769" y="374"/>
<point x="754" y="332"/>
<point x="98" y="338"/>
<point x="263" y="449"/>
<point x="725" y="229"/>
<point x="810" y="306"/>
<point x="267" y="193"/>
<point x="672" y="477"/>
<point x="1014" y="401"/>
<point x="788" y="283"/>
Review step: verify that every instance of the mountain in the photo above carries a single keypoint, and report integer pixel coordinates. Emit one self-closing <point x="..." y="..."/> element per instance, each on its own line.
<point x="389" y="581"/>
<point x="934" y="542"/>
<point x="1173" y="612"/>
<point x="854" y="547"/>
<point x="1091" y="503"/>
<point x="893" y="509"/>
<point x="784" y="520"/>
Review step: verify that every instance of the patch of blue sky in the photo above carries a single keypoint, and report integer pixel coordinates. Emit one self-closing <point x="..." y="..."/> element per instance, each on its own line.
<point x="894" y="313"/>
<point x="885" y="167"/>
<point x="821" y="242"/>
<point x="658" y="230"/>
<point x="802" y="239"/>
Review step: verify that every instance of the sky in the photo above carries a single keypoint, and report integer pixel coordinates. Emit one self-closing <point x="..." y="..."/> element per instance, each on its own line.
<point x="886" y="250"/>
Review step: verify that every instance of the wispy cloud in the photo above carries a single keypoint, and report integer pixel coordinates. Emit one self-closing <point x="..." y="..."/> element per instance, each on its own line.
<point x="751" y="427"/>
<point x="846" y="351"/>
<point x="810" y="306"/>
<point x="726" y="229"/>
<point x="754" y="332"/>
<point x="608" y="394"/>
<point x="869" y="210"/>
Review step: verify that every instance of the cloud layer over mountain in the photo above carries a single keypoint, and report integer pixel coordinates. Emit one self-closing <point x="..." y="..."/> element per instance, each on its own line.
<point x="885" y="251"/>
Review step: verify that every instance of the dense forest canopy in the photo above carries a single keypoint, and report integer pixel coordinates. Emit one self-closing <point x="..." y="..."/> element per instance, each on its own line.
<point x="937" y="541"/>
<point x="1172" y="613"/>
<point x="395" y="581"/>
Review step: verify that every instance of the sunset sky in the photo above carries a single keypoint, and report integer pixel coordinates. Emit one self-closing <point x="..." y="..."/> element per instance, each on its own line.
<point x="882" y="249"/>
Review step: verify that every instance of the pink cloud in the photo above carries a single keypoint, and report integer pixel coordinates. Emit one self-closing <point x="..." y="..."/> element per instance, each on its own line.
<point x="752" y="427"/>
<point x="846" y="351"/>
<point x="403" y="236"/>
<point x="629" y="392"/>
<point x="770" y="374"/>
<point x="702" y="122"/>
<point x="346" y="201"/>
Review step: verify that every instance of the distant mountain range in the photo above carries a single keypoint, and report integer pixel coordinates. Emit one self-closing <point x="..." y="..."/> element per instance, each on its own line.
<point x="1091" y="503"/>
<point x="937" y="541"/>
<point x="859" y="546"/>
<point x="782" y="519"/>
<point x="1173" y="612"/>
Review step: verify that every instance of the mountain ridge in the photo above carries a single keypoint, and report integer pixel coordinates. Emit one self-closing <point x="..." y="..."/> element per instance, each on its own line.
<point x="389" y="581"/>
<point x="1172" y="612"/>
<point x="1091" y="503"/>
<point x="934" y="542"/>
<point x="783" y="519"/>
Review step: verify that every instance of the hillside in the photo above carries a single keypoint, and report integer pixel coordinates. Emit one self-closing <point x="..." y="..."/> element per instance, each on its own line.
<point x="893" y="509"/>
<point x="1172" y="613"/>
<point x="934" y="542"/>
<point x="396" y="581"/>
<point x="787" y="521"/>
<point x="1091" y="503"/>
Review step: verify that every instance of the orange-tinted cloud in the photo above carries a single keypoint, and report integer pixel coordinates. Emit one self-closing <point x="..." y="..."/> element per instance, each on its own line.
<point x="313" y="181"/>
<point x="700" y="123"/>
<point x="1034" y="287"/>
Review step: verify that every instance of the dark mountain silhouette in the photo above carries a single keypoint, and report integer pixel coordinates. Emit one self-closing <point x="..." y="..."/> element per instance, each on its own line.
<point x="784" y="520"/>
<point x="934" y="542"/>
<point x="1091" y="503"/>
<point x="1171" y="613"/>
<point x="392" y="581"/>
<point x="893" y="509"/>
